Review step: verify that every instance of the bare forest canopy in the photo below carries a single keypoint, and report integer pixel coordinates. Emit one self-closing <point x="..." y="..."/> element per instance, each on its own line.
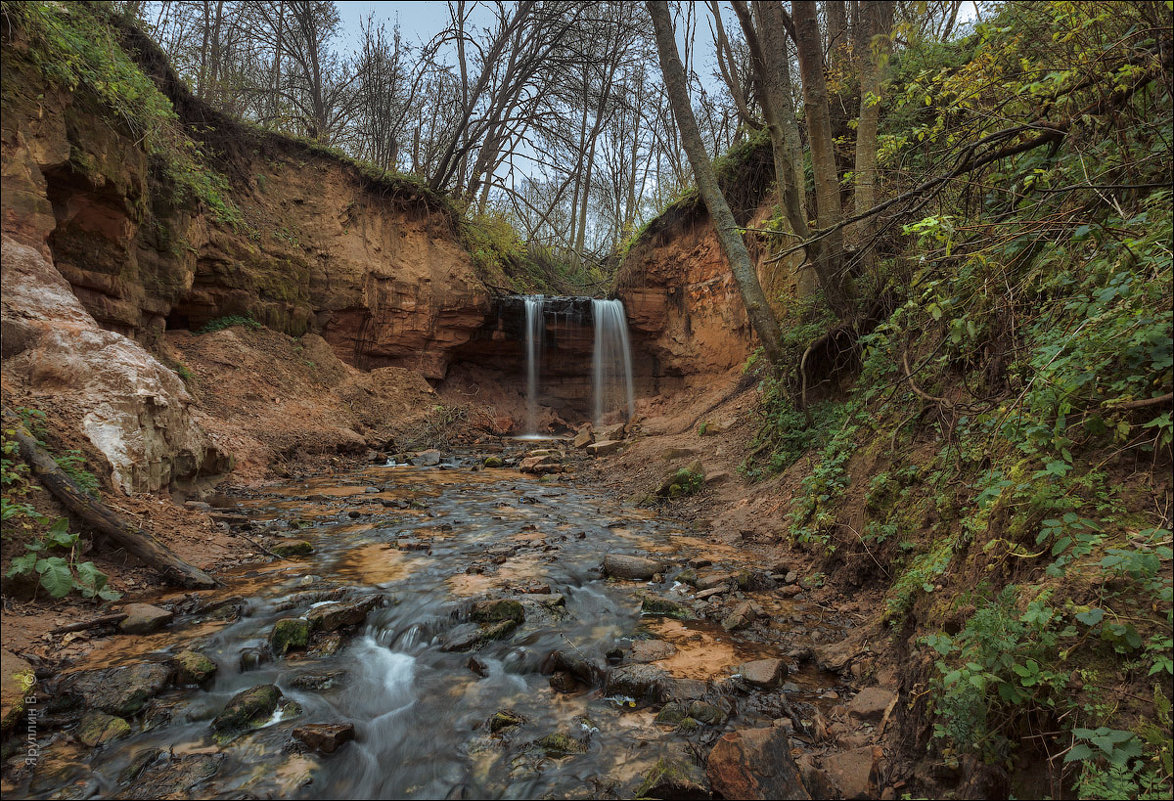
<point x="551" y="116"/>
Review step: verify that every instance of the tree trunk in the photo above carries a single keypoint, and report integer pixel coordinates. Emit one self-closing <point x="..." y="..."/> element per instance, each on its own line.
<point x="877" y="20"/>
<point x="761" y="316"/>
<point x="829" y="257"/>
<point x="138" y="543"/>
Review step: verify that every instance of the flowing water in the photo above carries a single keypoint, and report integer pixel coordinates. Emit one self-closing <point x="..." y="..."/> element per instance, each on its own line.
<point x="433" y="542"/>
<point x="611" y="360"/>
<point x="535" y="326"/>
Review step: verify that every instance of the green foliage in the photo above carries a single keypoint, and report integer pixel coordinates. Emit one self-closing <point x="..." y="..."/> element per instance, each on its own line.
<point x="73" y="463"/>
<point x="220" y="323"/>
<point x="61" y="575"/>
<point x="76" y="47"/>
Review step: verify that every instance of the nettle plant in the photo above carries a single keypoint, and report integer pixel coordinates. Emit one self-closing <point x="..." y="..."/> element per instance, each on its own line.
<point x="53" y="558"/>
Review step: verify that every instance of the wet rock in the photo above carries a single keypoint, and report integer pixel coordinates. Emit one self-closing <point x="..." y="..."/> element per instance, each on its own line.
<point x="563" y="682"/>
<point x="336" y="615"/>
<point x="97" y="728"/>
<point x="324" y="645"/>
<point x="640" y="682"/>
<point x="754" y="764"/>
<point x="477" y="666"/>
<point x="498" y="609"/>
<point x="686" y="689"/>
<point x="636" y="568"/>
<point x="58" y="766"/>
<point x="850" y="771"/>
<point x="472" y="635"/>
<point x="505" y="719"/>
<point x="687" y="576"/>
<point x="175" y="777"/>
<point x="651" y="650"/>
<point x="604" y="447"/>
<point x="720" y="589"/>
<point x="248" y="709"/>
<point x="120" y="691"/>
<point x="144" y="619"/>
<point x="287" y="548"/>
<point x="659" y="606"/>
<point x="139" y="762"/>
<point x="325" y="738"/>
<point x="318" y="681"/>
<point x="540" y="465"/>
<point x="251" y="659"/>
<point x="16" y="678"/>
<point x="192" y="668"/>
<point x="493" y="461"/>
<point x="428" y="458"/>
<point x="559" y="745"/>
<point x="583" y="668"/>
<point x="584" y="438"/>
<point x="676" y="778"/>
<point x="707" y="581"/>
<point x="764" y="673"/>
<point x="698" y="562"/>
<point x="741" y="616"/>
<point x="670" y="714"/>
<point x="707" y="713"/>
<point x="289" y="633"/>
<point x="870" y="703"/>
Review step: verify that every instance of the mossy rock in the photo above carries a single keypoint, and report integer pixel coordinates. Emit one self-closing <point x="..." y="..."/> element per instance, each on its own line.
<point x="505" y="719"/>
<point x="671" y="714"/>
<point x="493" y="461"/>
<point x="289" y="633"/>
<point x="561" y="745"/>
<point x="193" y="668"/>
<point x="248" y="709"/>
<point x="674" y="778"/>
<point x="292" y="548"/>
<point x="498" y="609"/>
<point x="663" y="607"/>
<point x="98" y="728"/>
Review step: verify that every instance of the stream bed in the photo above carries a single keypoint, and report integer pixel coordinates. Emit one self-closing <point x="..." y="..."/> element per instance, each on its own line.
<point x="458" y="619"/>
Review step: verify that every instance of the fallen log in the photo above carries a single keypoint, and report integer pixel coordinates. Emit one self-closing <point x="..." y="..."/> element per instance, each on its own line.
<point x="138" y="543"/>
<point x="95" y="623"/>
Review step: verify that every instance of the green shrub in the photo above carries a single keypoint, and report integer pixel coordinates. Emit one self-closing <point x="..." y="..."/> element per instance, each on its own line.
<point x="220" y="323"/>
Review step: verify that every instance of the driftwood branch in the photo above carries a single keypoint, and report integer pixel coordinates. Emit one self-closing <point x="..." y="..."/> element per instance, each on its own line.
<point x="100" y="517"/>
<point x="93" y="623"/>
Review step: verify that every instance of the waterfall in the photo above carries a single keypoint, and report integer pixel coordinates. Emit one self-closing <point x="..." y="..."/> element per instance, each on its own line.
<point x="612" y="359"/>
<point x="534" y="331"/>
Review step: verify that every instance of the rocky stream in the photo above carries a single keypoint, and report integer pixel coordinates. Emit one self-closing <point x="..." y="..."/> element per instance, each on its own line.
<point x="449" y="631"/>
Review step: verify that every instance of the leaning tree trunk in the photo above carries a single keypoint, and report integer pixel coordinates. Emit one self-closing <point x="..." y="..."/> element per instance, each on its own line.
<point x="762" y="318"/>
<point x="829" y="258"/>
<point x="135" y="541"/>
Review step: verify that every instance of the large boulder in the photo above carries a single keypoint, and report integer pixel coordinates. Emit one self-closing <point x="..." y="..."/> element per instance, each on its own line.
<point x="133" y="409"/>
<point x="639" y="682"/>
<point x="674" y="777"/>
<point x="248" y="709"/>
<point x="754" y="764"/>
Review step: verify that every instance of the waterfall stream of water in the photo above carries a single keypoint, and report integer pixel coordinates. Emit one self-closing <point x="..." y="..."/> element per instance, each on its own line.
<point x="534" y="331"/>
<point x="611" y="362"/>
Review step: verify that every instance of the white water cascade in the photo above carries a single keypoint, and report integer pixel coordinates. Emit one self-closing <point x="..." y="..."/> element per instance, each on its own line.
<point x="535" y="327"/>
<point x="611" y="362"/>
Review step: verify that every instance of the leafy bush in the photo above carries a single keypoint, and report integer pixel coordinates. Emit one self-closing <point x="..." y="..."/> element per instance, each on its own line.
<point x="58" y="574"/>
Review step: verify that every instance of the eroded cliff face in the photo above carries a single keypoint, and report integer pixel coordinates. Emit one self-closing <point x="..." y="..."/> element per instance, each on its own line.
<point x="103" y="257"/>
<point x="684" y="308"/>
